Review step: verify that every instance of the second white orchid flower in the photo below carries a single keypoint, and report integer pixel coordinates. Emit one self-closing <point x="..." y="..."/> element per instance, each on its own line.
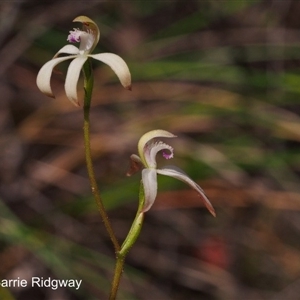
<point x="148" y="147"/>
<point x="88" y="39"/>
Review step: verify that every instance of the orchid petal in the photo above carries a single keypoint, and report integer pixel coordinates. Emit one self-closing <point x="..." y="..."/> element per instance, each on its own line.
<point x="153" y="149"/>
<point x="68" y="49"/>
<point x="118" y="65"/>
<point x="44" y="75"/>
<point x="135" y="165"/>
<point x="180" y="175"/>
<point x="149" y="178"/>
<point x="72" y="78"/>
<point x="147" y="137"/>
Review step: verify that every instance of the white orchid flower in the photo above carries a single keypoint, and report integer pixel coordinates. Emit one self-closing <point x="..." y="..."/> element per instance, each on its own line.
<point x="148" y="147"/>
<point x="88" y="39"/>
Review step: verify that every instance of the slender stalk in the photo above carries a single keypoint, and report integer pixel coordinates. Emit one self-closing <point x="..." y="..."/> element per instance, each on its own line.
<point x="135" y="229"/>
<point x="117" y="276"/>
<point x="88" y="89"/>
<point x="127" y="244"/>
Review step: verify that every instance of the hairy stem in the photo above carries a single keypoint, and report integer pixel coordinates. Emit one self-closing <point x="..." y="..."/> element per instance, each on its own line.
<point x="88" y="89"/>
<point x="117" y="276"/>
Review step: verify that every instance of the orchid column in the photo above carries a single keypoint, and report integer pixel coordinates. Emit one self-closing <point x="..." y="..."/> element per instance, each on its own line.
<point x="88" y="38"/>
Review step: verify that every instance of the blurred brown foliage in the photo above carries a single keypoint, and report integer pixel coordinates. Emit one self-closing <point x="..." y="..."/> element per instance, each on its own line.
<point x="224" y="77"/>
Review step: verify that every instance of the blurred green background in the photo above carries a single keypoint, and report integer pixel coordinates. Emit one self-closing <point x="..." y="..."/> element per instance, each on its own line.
<point x="224" y="76"/>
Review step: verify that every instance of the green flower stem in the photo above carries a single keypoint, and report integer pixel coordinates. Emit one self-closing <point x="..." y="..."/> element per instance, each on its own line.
<point x="128" y="243"/>
<point x="88" y="89"/>
<point x="136" y="225"/>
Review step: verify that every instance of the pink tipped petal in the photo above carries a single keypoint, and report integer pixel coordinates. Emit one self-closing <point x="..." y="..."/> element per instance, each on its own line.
<point x="168" y="155"/>
<point x="118" y="65"/>
<point x="151" y="150"/>
<point x="180" y="175"/>
<point x="72" y="78"/>
<point x="149" y="178"/>
<point x="44" y="75"/>
<point x="147" y="137"/>
<point x="68" y="49"/>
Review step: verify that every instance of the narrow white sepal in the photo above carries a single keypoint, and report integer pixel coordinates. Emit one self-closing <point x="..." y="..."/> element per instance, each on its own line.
<point x="44" y="75"/>
<point x="72" y="78"/>
<point x="118" y="65"/>
<point x="68" y="49"/>
<point x="177" y="173"/>
<point x="149" y="178"/>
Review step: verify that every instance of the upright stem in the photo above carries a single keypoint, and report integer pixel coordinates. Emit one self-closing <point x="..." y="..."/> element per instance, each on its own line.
<point x="136" y="226"/>
<point x="127" y="244"/>
<point x="88" y="89"/>
<point x="117" y="276"/>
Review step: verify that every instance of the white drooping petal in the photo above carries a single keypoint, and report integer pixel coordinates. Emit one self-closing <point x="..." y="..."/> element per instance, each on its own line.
<point x="149" y="178"/>
<point x="44" y="75"/>
<point x="118" y="65"/>
<point x="147" y="137"/>
<point x="68" y="49"/>
<point x="72" y="78"/>
<point x="179" y="174"/>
